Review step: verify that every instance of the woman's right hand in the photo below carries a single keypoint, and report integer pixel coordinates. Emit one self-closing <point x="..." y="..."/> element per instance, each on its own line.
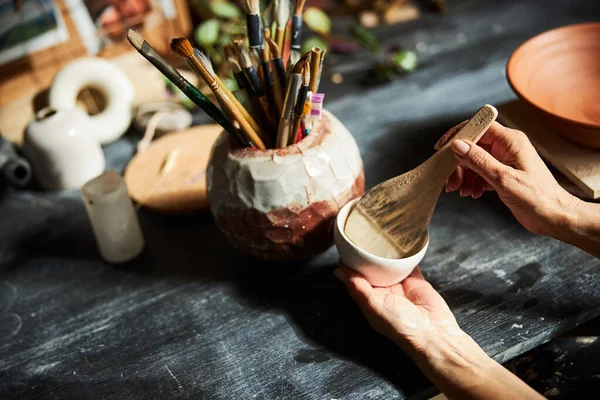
<point x="504" y="160"/>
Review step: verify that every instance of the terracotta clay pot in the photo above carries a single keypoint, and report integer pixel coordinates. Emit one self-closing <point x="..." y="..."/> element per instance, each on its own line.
<point x="558" y="73"/>
<point x="280" y="204"/>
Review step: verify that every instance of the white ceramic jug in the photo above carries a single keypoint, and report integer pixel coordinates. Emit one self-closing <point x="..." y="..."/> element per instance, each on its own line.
<point x="63" y="154"/>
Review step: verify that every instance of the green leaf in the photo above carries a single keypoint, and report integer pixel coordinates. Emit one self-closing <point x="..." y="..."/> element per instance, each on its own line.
<point x="207" y="33"/>
<point x="317" y="21"/>
<point x="313" y="41"/>
<point x="230" y="83"/>
<point x="366" y="39"/>
<point x="407" y="60"/>
<point x="224" y="9"/>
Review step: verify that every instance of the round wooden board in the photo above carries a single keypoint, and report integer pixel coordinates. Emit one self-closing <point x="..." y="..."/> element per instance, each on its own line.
<point x="182" y="187"/>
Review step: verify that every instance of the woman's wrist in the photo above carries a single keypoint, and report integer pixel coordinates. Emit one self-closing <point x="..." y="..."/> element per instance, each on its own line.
<point x="579" y="225"/>
<point x="451" y="360"/>
<point x="462" y="370"/>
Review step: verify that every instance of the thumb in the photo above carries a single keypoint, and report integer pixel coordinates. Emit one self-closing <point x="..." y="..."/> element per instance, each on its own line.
<point x="479" y="161"/>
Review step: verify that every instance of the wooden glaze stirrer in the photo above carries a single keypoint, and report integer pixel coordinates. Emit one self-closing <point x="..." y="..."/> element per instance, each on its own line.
<point x="391" y="219"/>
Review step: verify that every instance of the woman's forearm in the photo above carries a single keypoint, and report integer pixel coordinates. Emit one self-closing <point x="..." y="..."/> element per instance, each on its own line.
<point x="462" y="370"/>
<point x="581" y="228"/>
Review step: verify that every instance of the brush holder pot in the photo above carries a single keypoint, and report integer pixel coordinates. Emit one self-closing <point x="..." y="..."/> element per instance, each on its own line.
<point x="280" y="204"/>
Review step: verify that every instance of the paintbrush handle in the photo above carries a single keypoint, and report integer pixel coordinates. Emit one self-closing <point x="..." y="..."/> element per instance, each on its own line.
<point x="186" y="87"/>
<point x="198" y="68"/>
<point x="296" y="30"/>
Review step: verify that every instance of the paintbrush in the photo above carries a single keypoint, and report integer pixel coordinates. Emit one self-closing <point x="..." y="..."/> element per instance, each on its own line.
<point x="292" y="61"/>
<point x="278" y="75"/>
<point x="255" y="83"/>
<point x="315" y="68"/>
<point x="194" y="61"/>
<point x="287" y="113"/>
<point x="278" y="68"/>
<point x="146" y="50"/>
<point x="243" y="93"/>
<point x="320" y="68"/>
<point x="297" y="25"/>
<point x="202" y="65"/>
<point x="282" y="15"/>
<point x="300" y="103"/>
<point x="254" y="25"/>
<point x="267" y="23"/>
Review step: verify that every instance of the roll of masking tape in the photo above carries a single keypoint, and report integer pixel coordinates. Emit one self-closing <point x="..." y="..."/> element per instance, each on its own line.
<point x="112" y="122"/>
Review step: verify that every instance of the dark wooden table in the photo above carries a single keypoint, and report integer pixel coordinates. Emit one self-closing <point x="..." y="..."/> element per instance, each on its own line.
<point x="191" y="318"/>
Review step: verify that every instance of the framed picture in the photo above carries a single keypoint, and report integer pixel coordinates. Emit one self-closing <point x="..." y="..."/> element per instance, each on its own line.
<point x="101" y="23"/>
<point x="28" y="26"/>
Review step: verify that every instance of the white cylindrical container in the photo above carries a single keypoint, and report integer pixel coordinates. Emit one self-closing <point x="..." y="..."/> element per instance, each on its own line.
<point x="113" y="218"/>
<point x="61" y="151"/>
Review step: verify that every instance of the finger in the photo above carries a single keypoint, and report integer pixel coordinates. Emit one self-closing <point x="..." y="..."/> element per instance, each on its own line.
<point x="416" y="273"/>
<point x="358" y="286"/>
<point x="496" y="131"/>
<point x="455" y="180"/>
<point x="468" y="184"/>
<point x="480" y="161"/>
<point x="448" y="135"/>
<point x="479" y="188"/>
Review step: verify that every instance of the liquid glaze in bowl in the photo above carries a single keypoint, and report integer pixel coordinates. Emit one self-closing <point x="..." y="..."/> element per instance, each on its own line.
<point x="558" y="73"/>
<point x="379" y="271"/>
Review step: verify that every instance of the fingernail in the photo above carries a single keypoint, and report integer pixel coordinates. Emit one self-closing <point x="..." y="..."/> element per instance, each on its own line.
<point x="460" y="147"/>
<point x="340" y="275"/>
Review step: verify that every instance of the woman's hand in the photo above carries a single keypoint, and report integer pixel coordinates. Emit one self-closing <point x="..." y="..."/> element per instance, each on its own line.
<point x="408" y="313"/>
<point x="414" y="315"/>
<point x="504" y="160"/>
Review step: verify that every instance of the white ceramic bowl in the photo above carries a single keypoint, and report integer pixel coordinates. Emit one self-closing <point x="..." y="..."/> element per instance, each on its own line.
<point x="377" y="270"/>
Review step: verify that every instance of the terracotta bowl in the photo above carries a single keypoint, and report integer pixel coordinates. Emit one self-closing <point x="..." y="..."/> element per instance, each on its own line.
<point x="281" y="204"/>
<point x="558" y="73"/>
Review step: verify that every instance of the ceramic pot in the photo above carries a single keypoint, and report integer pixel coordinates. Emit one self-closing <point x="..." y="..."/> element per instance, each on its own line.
<point x="62" y="153"/>
<point x="378" y="271"/>
<point x="280" y="204"/>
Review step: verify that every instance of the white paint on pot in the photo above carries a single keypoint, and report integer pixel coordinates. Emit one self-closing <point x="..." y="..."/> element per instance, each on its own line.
<point x="379" y="271"/>
<point x="295" y="177"/>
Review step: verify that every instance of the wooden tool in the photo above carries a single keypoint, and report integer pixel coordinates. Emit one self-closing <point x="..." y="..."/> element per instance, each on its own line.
<point x="579" y="164"/>
<point x="391" y="219"/>
<point x="170" y="176"/>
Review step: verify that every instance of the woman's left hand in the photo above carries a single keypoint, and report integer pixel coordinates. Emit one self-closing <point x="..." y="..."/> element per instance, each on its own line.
<point x="409" y="313"/>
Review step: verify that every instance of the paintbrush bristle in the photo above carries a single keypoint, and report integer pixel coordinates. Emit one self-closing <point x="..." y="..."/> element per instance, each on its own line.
<point x="135" y="39"/>
<point x="235" y="66"/>
<point x="273" y="48"/>
<point x="229" y="50"/>
<point x="243" y="56"/>
<point x="306" y="74"/>
<point x="299" y="7"/>
<point x="182" y="47"/>
<point x="205" y="60"/>
<point x="253" y="6"/>
<point x="305" y="59"/>
<point x="282" y="11"/>
<point x="267" y="17"/>
<point x="298" y="67"/>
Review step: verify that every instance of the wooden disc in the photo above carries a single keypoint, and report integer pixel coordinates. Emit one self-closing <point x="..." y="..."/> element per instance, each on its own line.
<point x="170" y="176"/>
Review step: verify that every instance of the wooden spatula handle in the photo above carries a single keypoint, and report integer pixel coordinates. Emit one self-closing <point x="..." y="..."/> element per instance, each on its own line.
<point x="476" y="126"/>
<point x="472" y="131"/>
